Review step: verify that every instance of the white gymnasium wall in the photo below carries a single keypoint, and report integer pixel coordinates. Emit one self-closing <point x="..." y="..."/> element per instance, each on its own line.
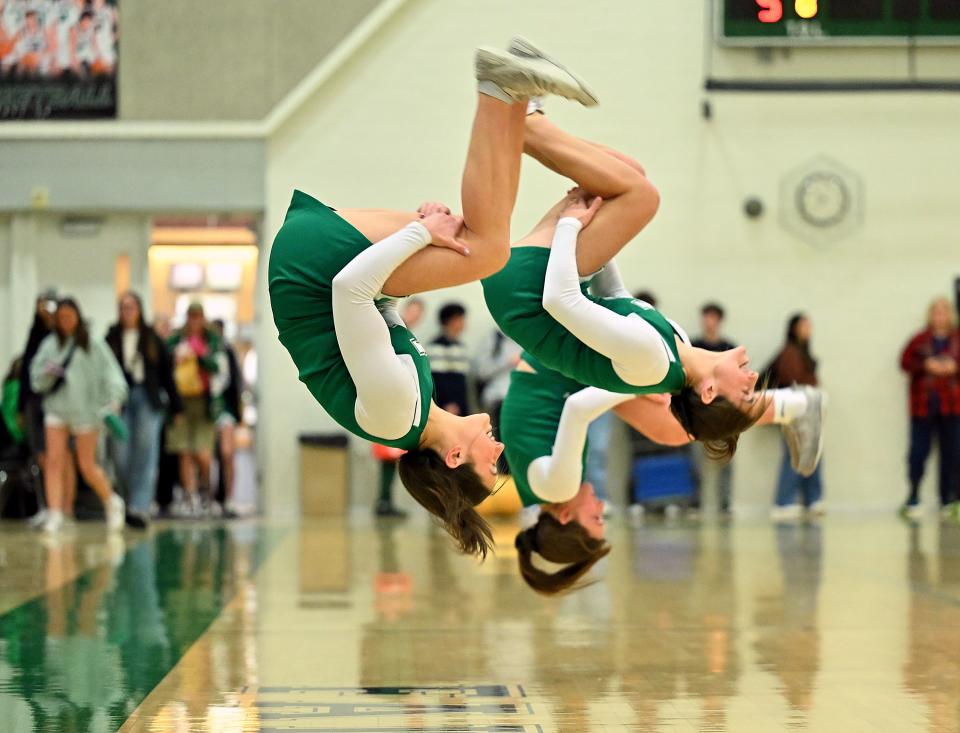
<point x="391" y="130"/>
<point x="81" y="266"/>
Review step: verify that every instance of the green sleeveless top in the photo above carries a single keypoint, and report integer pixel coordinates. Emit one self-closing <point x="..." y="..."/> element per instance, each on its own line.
<point x="312" y="246"/>
<point x="515" y="299"/>
<point x="529" y="420"/>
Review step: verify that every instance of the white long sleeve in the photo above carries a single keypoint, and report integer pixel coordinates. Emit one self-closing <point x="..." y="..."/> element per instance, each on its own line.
<point x="608" y="284"/>
<point x="556" y="478"/>
<point x="388" y="392"/>
<point x="638" y="353"/>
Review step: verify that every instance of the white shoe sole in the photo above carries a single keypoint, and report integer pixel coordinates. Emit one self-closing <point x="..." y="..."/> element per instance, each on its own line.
<point x="520" y="77"/>
<point x="520" y="46"/>
<point x="806" y="470"/>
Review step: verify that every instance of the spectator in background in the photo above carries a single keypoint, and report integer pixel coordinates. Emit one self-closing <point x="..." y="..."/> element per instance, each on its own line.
<point x="387" y="457"/>
<point x="168" y="469"/>
<point x="148" y="369"/>
<point x="199" y="372"/>
<point x="796" y="365"/>
<point x="412" y="312"/>
<point x="11" y="429"/>
<point x="81" y="384"/>
<point x="230" y="417"/>
<point x="711" y="339"/>
<point x="497" y="357"/>
<point x="30" y="405"/>
<point x="449" y="361"/>
<point x="931" y="358"/>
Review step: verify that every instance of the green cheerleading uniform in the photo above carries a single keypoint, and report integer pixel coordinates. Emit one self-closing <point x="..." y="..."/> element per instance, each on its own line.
<point x="312" y="246"/>
<point x="514" y="297"/>
<point x="529" y="420"/>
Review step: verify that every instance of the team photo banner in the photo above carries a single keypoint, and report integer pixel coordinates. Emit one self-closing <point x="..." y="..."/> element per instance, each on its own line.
<point x="58" y="59"/>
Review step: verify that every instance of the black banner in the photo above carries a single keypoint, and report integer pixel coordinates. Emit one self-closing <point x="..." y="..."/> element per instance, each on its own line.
<point x="58" y="59"/>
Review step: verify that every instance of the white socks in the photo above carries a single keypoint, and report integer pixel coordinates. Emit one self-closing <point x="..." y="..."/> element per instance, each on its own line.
<point x="787" y="405"/>
<point x="491" y="89"/>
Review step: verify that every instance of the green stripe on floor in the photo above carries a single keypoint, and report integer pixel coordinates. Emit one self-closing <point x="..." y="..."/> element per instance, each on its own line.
<point x="83" y="657"/>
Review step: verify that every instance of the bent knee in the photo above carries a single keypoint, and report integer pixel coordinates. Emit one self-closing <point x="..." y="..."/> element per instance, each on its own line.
<point x="646" y="201"/>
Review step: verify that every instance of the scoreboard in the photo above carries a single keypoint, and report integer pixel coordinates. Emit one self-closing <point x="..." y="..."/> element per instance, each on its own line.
<point x="837" y="22"/>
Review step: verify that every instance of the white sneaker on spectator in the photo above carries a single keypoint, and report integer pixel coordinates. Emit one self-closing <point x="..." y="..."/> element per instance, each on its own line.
<point x="38" y="520"/>
<point x="817" y="509"/>
<point x="195" y="509"/>
<point x="116" y="511"/>
<point x="672" y="512"/>
<point x="786" y="513"/>
<point x="54" y="522"/>
<point x="913" y="511"/>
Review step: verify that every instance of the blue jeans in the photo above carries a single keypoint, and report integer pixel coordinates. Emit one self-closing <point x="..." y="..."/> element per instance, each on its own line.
<point x="137" y="458"/>
<point x="598" y="445"/>
<point x="791" y="483"/>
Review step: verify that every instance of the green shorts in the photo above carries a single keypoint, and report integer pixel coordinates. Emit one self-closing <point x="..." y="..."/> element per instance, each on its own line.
<point x="193" y="432"/>
<point x="515" y="299"/>
<point x="529" y="420"/>
<point x="312" y="247"/>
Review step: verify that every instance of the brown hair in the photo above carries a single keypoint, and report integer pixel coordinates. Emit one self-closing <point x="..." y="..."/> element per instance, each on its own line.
<point x="81" y="335"/>
<point x="567" y="544"/>
<point x="148" y="337"/>
<point x="718" y="424"/>
<point x="450" y="495"/>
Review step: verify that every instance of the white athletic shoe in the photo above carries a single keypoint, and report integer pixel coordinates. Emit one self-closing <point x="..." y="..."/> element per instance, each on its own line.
<point x="523" y="48"/>
<point x="38" y="520"/>
<point x="116" y="511"/>
<point x="786" y="513"/>
<point x="913" y="511"/>
<point x="817" y="509"/>
<point x="54" y="522"/>
<point x="523" y="77"/>
<point x="804" y="435"/>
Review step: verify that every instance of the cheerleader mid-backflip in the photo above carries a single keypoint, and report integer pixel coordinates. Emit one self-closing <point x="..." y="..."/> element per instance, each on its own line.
<point x="544" y="424"/>
<point x="545" y="417"/>
<point x="327" y="282"/>
<point x="610" y="340"/>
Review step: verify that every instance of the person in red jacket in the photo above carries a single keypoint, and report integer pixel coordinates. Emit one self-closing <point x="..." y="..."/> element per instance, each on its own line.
<point x="931" y="358"/>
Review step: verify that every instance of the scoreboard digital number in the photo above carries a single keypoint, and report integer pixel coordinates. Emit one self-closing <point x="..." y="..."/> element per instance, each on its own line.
<point x="839" y="22"/>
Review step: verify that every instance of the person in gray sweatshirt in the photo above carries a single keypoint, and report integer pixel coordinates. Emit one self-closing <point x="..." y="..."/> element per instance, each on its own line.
<point x="81" y="383"/>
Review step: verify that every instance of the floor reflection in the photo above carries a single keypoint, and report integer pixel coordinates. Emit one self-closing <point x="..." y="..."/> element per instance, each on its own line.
<point x="788" y="639"/>
<point x="932" y="668"/>
<point x="83" y="656"/>
<point x="845" y="626"/>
